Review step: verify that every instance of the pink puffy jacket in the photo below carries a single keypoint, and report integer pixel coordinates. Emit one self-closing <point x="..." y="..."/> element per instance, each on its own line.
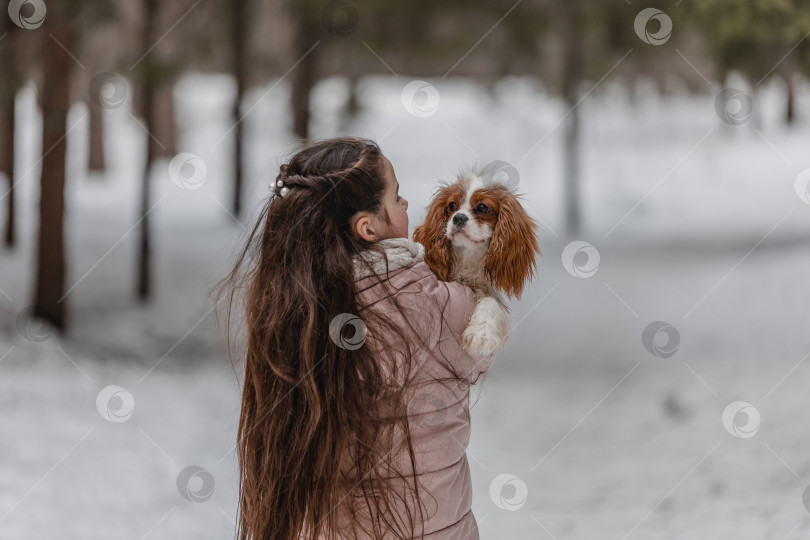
<point x="439" y="415"/>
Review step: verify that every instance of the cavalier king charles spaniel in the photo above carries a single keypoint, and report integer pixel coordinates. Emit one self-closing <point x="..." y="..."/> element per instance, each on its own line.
<point x="477" y="233"/>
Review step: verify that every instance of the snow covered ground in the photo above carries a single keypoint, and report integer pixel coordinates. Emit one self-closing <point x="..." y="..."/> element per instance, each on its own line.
<point x="696" y="223"/>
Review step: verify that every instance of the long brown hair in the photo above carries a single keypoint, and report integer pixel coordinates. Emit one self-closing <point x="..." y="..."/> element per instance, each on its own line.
<point x="321" y="416"/>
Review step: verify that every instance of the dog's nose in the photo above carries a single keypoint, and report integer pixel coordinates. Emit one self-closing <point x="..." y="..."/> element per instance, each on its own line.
<point x="459" y="220"/>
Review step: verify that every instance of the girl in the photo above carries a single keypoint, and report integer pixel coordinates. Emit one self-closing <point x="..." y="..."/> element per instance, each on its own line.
<point x="355" y="407"/>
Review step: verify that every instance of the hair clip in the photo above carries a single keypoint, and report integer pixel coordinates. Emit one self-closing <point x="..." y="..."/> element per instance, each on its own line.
<point x="284" y="189"/>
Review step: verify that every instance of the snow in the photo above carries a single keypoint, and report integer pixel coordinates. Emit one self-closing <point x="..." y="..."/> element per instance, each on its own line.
<point x="697" y="224"/>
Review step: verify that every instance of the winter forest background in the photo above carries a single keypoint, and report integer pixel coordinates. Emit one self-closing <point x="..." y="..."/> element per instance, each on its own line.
<point x="656" y="383"/>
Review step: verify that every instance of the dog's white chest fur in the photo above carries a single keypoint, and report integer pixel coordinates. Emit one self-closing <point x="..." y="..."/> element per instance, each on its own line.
<point x="468" y="266"/>
<point x="490" y="325"/>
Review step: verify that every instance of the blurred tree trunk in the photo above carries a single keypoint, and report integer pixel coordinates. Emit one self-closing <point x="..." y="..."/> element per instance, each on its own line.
<point x="757" y="120"/>
<point x="352" y="103"/>
<point x="632" y="90"/>
<point x="571" y="28"/>
<point x="303" y="76"/>
<point x="95" y="161"/>
<point x="147" y="94"/>
<point x="50" y="266"/>
<point x="165" y="122"/>
<point x="7" y="124"/>
<point x="350" y="110"/>
<point x="9" y="84"/>
<point x="790" y="108"/>
<point x="239" y="43"/>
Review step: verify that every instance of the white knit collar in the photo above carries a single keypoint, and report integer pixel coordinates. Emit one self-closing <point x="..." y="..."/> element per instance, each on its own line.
<point x="401" y="252"/>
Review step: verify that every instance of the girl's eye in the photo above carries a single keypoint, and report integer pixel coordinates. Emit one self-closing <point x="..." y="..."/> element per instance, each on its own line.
<point x="451" y="207"/>
<point x="482" y="208"/>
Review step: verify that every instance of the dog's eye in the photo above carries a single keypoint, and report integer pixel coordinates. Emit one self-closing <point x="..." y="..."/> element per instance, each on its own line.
<point x="451" y="207"/>
<point x="482" y="208"/>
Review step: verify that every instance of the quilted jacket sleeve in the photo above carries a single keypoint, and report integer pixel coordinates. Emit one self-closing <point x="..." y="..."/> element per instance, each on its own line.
<point x="445" y="308"/>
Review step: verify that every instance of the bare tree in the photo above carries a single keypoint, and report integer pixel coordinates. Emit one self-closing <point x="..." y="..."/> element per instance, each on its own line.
<point x="100" y="46"/>
<point x="571" y="26"/>
<point x="49" y="301"/>
<point x="148" y="78"/>
<point x="304" y="76"/>
<point x="165" y="124"/>
<point x="239" y="41"/>
<point x="95" y="158"/>
<point x="9" y="84"/>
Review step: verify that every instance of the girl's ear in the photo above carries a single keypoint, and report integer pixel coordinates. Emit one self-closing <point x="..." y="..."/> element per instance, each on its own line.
<point x="431" y="234"/>
<point x="511" y="256"/>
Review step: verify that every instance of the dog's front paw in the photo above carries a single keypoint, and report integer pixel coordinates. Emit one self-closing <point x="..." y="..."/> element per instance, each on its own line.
<point x="488" y="329"/>
<point x="481" y="341"/>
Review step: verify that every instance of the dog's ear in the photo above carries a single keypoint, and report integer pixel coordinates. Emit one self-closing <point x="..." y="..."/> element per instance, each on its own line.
<point x="431" y="234"/>
<point x="511" y="255"/>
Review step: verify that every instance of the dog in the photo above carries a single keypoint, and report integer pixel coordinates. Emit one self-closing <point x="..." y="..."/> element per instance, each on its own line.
<point x="477" y="232"/>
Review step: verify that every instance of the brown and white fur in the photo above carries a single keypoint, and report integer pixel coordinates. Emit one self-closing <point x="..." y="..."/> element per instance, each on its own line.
<point x="477" y="233"/>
